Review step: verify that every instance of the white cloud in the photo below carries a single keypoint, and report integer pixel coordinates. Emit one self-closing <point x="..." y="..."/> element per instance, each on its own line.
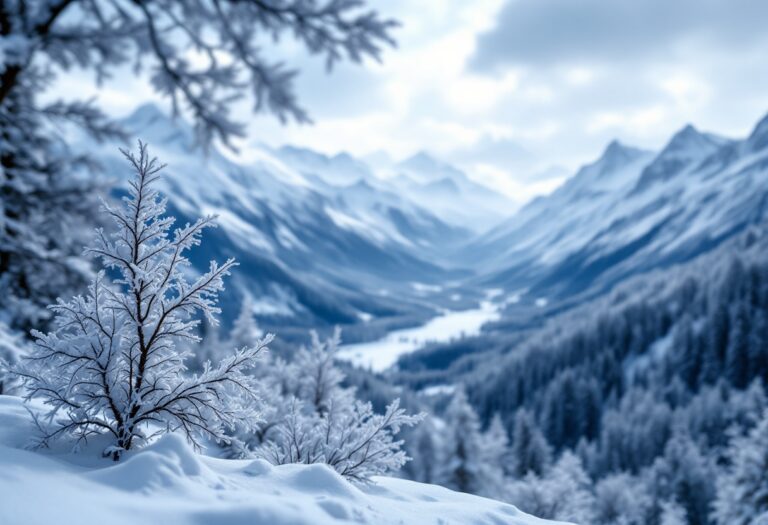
<point x="556" y="77"/>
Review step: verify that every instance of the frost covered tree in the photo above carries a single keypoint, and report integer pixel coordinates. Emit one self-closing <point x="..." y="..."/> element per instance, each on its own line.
<point x="686" y="475"/>
<point x="465" y="452"/>
<point x="738" y="349"/>
<point x="325" y="423"/>
<point x="530" y="452"/>
<point x="245" y="330"/>
<point x="11" y="349"/>
<point x="111" y="365"/>
<point x="209" y="348"/>
<point x="423" y="446"/>
<point x="202" y="55"/>
<point x="497" y="445"/>
<point x="622" y="499"/>
<point x="742" y="495"/>
<point x="673" y="514"/>
<point x="564" y="493"/>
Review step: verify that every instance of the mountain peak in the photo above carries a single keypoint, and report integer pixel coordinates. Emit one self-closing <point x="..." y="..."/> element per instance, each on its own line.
<point x="421" y="160"/>
<point x="147" y="113"/>
<point x="758" y="139"/>
<point x="617" y="153"/>
<point x="689" y="140"/>
<point x="686" y="148"/>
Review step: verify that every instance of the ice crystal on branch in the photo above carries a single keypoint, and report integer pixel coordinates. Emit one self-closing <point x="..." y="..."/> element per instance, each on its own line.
<point x="111" y="365"/>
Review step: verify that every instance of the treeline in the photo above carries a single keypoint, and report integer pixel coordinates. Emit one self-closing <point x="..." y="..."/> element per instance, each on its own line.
<point x="631" y="409"/>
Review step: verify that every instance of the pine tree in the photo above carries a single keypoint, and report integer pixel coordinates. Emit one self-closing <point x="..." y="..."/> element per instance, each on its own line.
<point x="462" y="447"/>
<point x="742" y="495"/>
<point x="245" y="330"/>
<point x="673" y="514"/>
<point x="564" y="493"/>
<point x="738" y="351"/>
<point x="496" y="448"/>
<point x="111" y="366"/>
<point x="530" y="452"/>
<point x="424" y="448"/>
<point x="758" y="345"/>
<point x="684" y="345"/>
<point x="622" y="499"/>
<point x="685" y="474"/>
<point x="717" y="343"/>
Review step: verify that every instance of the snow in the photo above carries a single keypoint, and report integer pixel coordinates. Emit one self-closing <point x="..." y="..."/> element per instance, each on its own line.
<point x="167" y="482"/>
<point x="668" y="205"/>
<point x="450" y="324"/>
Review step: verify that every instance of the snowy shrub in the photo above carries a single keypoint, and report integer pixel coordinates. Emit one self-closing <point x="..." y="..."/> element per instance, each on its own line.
<point x="11" y="349"/>
<point x="622" y="499"/>
<point x="564" y="493"/>
<point x="742" y="495"/>
<point x="322" y="421"/>
<point x="111" y="366"/>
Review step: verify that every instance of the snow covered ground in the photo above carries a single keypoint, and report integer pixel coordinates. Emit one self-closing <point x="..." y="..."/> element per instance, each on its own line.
<point x="168" y="483"/>
<point x="383" y="353"/>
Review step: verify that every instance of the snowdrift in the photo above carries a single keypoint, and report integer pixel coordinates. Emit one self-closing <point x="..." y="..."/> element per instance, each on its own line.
<point x="170" y="484"/>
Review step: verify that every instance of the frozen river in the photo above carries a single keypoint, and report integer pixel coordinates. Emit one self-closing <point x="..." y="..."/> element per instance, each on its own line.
<point x="383" y="353"/>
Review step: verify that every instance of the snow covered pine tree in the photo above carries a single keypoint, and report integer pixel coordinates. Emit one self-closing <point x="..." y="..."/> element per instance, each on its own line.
<point x="111" y="365"/>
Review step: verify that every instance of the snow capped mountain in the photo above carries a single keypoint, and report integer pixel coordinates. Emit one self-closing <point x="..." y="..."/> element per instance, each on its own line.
<point x="331" y="239"/>
<point x="318" y="238"/>
<point x="425" y="182"/>
<point x="340" y="169"/>
<point x="549" y="225"/>
<point x="681" y="153"/>
<point x="450" y="194"/>
<point x="631" y="211"/>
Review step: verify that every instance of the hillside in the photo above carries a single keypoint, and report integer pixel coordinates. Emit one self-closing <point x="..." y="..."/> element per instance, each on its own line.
<point x="168" y="482"/>
<point x="629" y="212"/>
<point x="320" y="240"/>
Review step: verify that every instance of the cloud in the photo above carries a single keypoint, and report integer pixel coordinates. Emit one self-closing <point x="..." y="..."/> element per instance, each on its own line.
<point x="477" y="82"/>
<point x="552" y="32"/>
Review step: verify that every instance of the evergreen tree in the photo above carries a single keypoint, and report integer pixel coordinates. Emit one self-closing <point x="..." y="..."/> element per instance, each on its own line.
<point x="717" y="342"/>
<point x="622" y="499"/>
<point x="530" y="452"/>
<point x="673" y="514"/>
<point x="425" y="450"/>
<point x="496" y="449"/>
<point x="742" y="496"/>
<point x="564" y="493"/>
<point x="738" y="350"/>
<point x="758" y="345"/>
<point x="684" y="343"/>
<point x="245" y="330"/>
<point x="687" y="477"/>
<point x="464" y="466"/>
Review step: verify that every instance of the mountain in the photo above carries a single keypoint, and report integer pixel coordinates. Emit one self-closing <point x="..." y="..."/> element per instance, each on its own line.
<point x="340" y="169"/>
<point x="450" y="194"/>
<point x="681" y="153"/>
<point x="319" y="239"/>
<point x="629" y="212"/>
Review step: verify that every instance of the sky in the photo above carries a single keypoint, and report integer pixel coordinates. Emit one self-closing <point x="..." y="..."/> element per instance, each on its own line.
<point x="520" y="93"/>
